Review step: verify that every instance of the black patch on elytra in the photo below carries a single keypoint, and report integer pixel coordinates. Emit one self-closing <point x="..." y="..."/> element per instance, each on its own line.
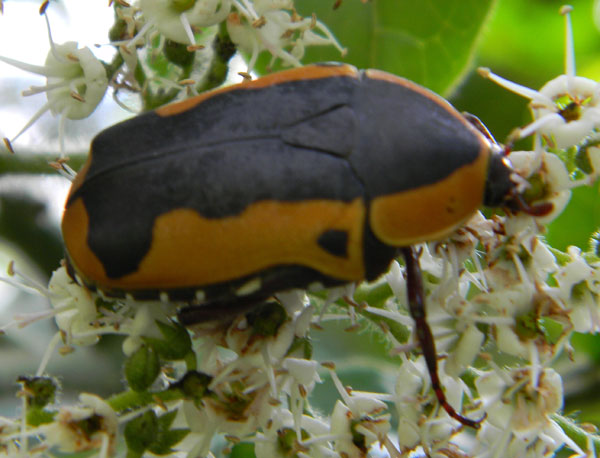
<point x="335" y="242"/>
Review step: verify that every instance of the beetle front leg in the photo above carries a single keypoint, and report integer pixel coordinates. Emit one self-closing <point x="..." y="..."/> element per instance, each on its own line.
<point x="416" y="302"/>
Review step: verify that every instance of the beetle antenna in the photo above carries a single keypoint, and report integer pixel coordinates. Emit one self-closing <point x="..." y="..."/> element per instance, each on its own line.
<point x="479" y="125"/>
<point x="416" y="302"/>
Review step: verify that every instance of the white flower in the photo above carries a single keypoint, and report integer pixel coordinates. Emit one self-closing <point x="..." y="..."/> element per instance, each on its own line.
<point x="92" y="425"/>
<point x="567" y="108"/>
<point x="303" y="371"/>
<point x="293" y="300"/>
<point x="268" y="27"/>
<point x="520" y="405"/>
<point x="396" y="280"/>
<point x="178" y="22"/>
<point x="142" y="325"/>
<point x="76" y="309"/>
<point x="554" y="176"/>
<point x="409" y="387"/>
<point x="76" y="83"/>
<point x="358" y="420"/>
<point x="309" y="437"/>
<point x="577" y="282"/>
<point x="356" y="430"/>
<point x="467" y="349"/>
<point x="593" y="153"/>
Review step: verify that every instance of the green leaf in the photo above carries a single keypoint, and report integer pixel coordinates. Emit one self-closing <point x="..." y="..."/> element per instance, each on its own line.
<point x="193" y="385"/>
<point x="430" y="42"/>
<point x="301" y="347"/>
<point x="40" y="391"/>
<point x="142" y="368"/>
<point x="141" y="432"/>
<point x="374" y="294"/>
<point x="166" y="438"/>
<point x="582" y="438"/>
<point x="266" y="319"/>
<point x="176" y="342"/>
<point x="37" y="416"/>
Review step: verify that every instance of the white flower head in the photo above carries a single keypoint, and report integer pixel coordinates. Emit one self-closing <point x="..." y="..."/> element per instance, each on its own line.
<point x="284" y="433"/>
<point x="91" y="425"/>
<point x="76" y="83"/>
<point x="356" y="431"/>
<point x="514" y="400"/>
<point x="269" y="26"/>
<point x="76" y="309"/>
<point x="567" y="108"/>
<point x="520" y="406"/>
<point x="177" y="19"/>
<point x="577" y="286"/>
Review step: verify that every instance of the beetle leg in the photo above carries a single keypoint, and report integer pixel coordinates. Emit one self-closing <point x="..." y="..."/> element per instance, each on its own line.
<point x="539" y="209"/>
<point x="416" y="302"/>
<point x="218" y="310"/>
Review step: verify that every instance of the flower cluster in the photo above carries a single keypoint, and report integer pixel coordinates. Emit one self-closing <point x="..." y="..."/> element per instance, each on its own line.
<point x="502" y="305"/>
<point x="168" y="49"/>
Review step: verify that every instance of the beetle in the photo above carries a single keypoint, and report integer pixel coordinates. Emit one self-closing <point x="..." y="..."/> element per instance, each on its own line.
<point x="311" y="177"/>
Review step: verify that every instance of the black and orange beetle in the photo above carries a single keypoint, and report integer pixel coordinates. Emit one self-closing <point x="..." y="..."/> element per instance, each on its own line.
<point x="319" y="175"/>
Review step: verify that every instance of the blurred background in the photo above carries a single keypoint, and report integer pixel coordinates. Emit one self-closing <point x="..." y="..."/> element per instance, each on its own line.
<point x="437" y="46"/>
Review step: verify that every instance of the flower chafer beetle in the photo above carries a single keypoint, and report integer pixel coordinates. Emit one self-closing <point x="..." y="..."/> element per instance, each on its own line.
<point x="316" y="176"/>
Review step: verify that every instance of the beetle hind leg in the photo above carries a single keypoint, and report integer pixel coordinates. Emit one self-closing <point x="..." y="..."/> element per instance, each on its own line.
<point x="416" y="302"/>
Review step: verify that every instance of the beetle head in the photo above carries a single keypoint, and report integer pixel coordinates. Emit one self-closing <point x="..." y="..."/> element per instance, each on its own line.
<point x="502" y="191"/>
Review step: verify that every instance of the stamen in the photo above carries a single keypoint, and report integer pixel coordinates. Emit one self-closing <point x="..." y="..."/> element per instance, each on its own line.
<point x="482" y="282"/>
<point x="569" y="45"/>
<point x="26" y="281"/>
<point x="331" y="38"/>
<point x="247" y="10"/>
<point x="187" y="28"/>
<point x="536" y="366"/>
<point x="37" y="69"/>
<point x="269" y="370"/>
<point x="38" y="114"/>
<point x="545" y="120"/>
<point x="514" y="87"/>
<point x="140" y="35"/>
<point x="43" y="7"/>
<point x="341" y="389"/>
<point x="48" y="353"/>
<point x="255" y="52"/>
<point x="53" y="49"/>
<point x="8" y="145"/>
<point x="33" y="90"/>
<point x="61" y="132"/>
